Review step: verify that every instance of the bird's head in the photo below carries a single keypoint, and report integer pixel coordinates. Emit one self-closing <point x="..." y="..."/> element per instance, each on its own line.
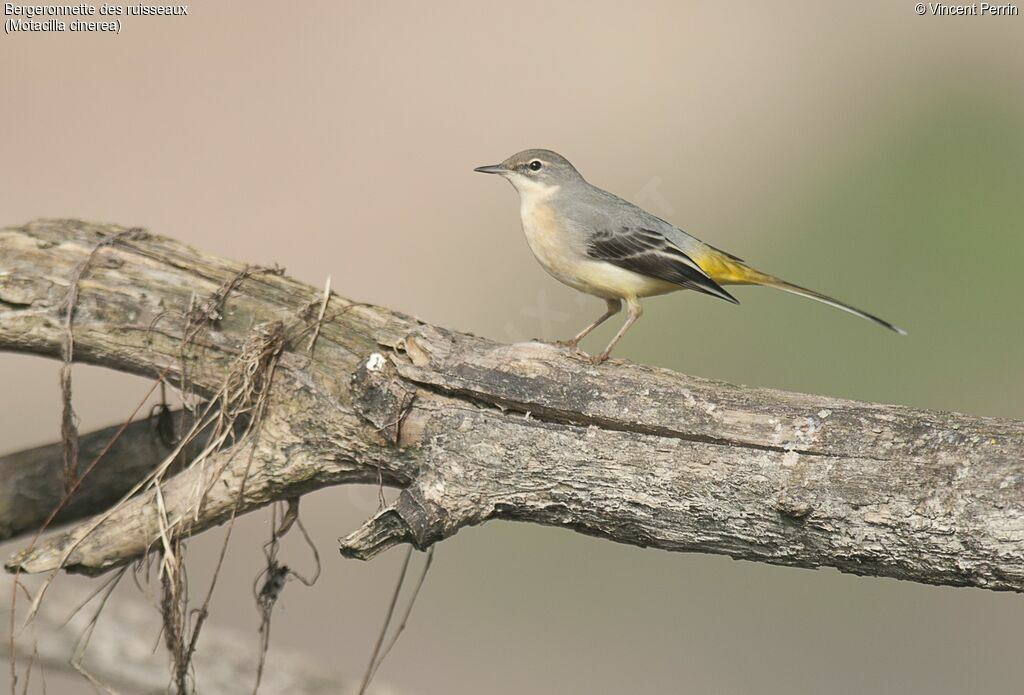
<point x="535" y="171"/>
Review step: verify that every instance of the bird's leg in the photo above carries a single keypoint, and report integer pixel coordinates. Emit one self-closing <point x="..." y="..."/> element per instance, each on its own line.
<point x="635" y="312"/>
<point x="614" y="307"/>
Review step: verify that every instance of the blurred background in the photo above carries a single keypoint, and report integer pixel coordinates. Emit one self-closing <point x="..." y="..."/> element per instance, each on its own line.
<point x="855" y="148"/>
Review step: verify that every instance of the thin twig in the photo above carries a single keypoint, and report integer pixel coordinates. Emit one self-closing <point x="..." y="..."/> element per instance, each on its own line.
<point x="83" y="640"/>
<point x="372" y="666"/>
<point x="68" y="426"/>
<point x="267" y="360"/>
<point x="53" y="514"/>
<point x="408" y="611"/>
<point x="276" y="575"/>
<point x="316" y="557"/>
<point x="320" y="317"/>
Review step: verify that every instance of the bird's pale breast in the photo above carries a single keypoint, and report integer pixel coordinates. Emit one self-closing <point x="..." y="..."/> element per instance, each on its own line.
<point x="561" y="252"/>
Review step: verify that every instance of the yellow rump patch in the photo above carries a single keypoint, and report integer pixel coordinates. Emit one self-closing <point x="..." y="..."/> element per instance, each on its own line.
<point x="727" y="271"/>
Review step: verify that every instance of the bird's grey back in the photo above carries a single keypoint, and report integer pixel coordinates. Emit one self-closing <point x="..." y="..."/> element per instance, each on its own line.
<point x="588" y="208"/>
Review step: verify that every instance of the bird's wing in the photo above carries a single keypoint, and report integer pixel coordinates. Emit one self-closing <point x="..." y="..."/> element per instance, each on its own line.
<point x="650" y="252"/>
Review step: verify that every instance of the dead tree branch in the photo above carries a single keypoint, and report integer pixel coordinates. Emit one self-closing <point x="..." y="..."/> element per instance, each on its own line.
<point x="472" y="430"/>
<point x="32" y="481"/>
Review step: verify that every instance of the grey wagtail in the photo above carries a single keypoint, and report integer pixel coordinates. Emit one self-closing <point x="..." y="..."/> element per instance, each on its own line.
<point x="600" y="244"/>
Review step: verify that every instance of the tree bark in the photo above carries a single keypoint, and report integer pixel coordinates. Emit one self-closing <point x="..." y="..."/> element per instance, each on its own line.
<point x="472" y="430"/>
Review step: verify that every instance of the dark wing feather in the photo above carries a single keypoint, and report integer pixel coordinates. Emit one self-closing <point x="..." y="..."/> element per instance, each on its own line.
<point x="648" y="252"/>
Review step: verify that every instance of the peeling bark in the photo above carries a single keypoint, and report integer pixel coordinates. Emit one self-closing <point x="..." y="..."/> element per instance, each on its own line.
<point x="472" y="430"/>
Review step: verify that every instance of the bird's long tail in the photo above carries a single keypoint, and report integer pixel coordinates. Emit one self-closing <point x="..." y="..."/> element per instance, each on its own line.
<point x="770" y="281"/>
<point x="731" y="271"/>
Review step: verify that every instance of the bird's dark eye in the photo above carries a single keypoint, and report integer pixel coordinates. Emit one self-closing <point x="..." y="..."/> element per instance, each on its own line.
<point x="535" y="165"/>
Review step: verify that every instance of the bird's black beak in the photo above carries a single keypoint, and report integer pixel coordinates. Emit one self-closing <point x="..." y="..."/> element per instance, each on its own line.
<point x="492" y="169"/>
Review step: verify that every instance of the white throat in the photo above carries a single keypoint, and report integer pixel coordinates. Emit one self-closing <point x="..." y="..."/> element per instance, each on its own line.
<point x="532" y="192"/>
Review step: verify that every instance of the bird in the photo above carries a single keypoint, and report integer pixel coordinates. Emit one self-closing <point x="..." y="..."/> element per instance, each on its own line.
<point x="600" y="244"/>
